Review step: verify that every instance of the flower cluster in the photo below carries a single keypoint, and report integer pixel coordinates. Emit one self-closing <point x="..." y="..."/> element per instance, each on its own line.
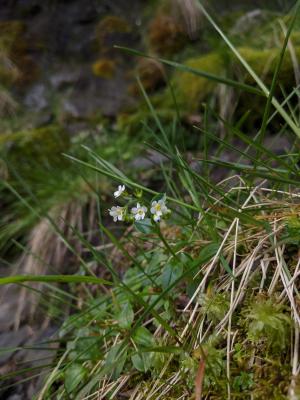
<point x="158" y="208"/>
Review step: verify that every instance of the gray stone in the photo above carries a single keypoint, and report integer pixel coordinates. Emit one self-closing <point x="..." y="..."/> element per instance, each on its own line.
<point x="66" y="76"/>
<point x="152" y="158"/>
<point x="249" y="21"/>
<point x="9" y="341"/>
<point x="37" y="98"/>
<point x="9" y="304"/>
<point x="15" y="397"/>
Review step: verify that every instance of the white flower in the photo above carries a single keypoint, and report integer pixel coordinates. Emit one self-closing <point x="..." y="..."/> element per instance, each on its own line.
<point x="158" y="209"/>
<point x="117" y="213"/>
<point x="156" y="217"/>
<point x="121" y="189"/>
<point x="139" y="212"/>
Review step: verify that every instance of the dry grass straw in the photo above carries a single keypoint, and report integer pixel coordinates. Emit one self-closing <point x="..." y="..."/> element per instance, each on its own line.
<point x="46" y="251"/>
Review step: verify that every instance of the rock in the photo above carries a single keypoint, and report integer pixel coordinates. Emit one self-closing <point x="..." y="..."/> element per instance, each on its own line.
<point x="11" y="340"/>
<point x="148" y="161"/>
<point x="37" y="98"/>
<point x="65" y="77"/>
<point x="11" y="295"/>
<point x="249" y="21"/>
<point x="93" y="96"/>
<point x="277" y="144"/>
<point x="14" y="397"/>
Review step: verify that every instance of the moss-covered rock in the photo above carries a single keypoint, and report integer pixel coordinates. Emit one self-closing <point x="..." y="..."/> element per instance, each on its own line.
<point x="39" y="145"/>
<point x="16" y="64"/>
<point x="263" y="62"/>
<point x="191" y="89"/>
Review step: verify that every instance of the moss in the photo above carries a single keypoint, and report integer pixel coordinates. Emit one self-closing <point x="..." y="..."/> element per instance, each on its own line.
<point x="112" y="23"/>
<point x="108" y="26"/>
<point x="104" y="68"/>
<point x="272" y="380"/>
<point x="263" y="63"/>
<point x="191" y="89"/>
<point x="16" y="64"/>
<point x="11" y="32"/>
<point x="151" y="73"/>
<point x="7" y="75"/>
<point x="215" y="305"/>
<point x="132" y="122"/>
<point x="165" y="35"/>
<point x="268" y="323"/>
<point x="34" y="146"/>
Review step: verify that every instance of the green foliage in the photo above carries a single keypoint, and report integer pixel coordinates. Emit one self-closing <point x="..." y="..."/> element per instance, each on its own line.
<point x="292" y="230"/>
<point x="214" y="362"/>
<point x="243" y="382"/>
<point x="74" y="376"/>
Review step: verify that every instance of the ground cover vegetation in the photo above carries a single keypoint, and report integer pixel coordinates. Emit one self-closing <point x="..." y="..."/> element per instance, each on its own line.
<point x="165" y="247"/>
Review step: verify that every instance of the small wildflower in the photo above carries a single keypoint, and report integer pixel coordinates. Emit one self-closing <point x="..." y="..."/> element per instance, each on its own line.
<point x="117" y="213"/>
<point x="156" y="217"/>
<point x="121" y="189"/>
<point x="139" y="212"/>
<point x="158" y="209"/>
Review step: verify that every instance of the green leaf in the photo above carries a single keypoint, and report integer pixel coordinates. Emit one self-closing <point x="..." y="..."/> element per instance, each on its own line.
<point x="125" y="316"/>
<point x="142" y="361"/>
<point x="209" y="251"/>
<point x="171" y="273"/>
<point x="53" y="278"/>
<point x="144" y="226"/>
<point x="85" y="346"/>
<point x="115" y="360"/>
<point x="74" y="375"/>
<point x="143" y="337"/>
<point x="159" y="197"/>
